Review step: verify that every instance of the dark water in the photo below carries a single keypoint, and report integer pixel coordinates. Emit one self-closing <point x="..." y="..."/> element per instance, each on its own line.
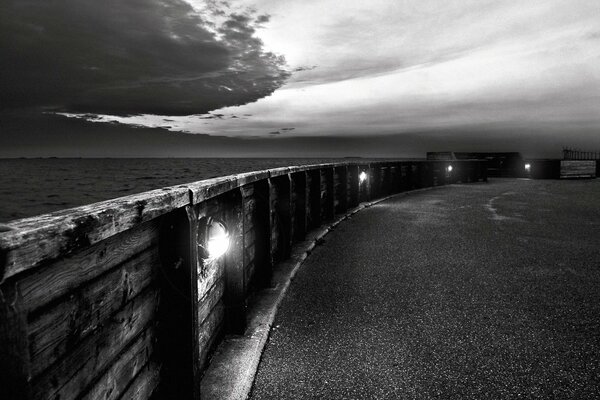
<point x="30" y="187"/>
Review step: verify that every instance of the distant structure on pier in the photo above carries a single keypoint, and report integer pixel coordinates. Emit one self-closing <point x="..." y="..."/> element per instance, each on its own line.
<point x="506" y="164"/>
<point x="576" y="154"/>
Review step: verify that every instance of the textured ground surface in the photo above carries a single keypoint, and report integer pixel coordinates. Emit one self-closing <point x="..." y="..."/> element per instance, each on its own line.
<point x="477" y="291"/>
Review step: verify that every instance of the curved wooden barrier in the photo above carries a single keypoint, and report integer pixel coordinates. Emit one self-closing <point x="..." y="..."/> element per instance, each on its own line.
<point x="113" y="300"/>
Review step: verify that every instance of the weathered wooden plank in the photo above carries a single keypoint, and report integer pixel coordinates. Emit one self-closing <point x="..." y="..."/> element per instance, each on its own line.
<point x="37" y="240"/>
<point x="210" y="300"/>
<point x="144" y="384"/>
<point x="53" y="331"/>
<point x="48" y="283"/>
<point x="214" y="273"/>
<point x="68" y="377"/>
<point x="122" y="373"/>
<point x="209" y="331"/>
<point x="577" y="169"/>
<point x="209" y="188"/>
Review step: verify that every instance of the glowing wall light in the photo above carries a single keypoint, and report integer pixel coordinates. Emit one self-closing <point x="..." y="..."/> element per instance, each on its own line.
<point x="213" y="239"/>
<point x="449" y="168"/>
<point x="362" y="177"/>
<point x="527" y="167"/>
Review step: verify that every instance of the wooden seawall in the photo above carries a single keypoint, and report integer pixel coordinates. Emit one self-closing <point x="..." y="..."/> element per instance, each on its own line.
<point x="113" y="300"/>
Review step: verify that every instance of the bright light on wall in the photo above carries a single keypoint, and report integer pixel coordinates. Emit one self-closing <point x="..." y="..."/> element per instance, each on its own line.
<point x="362" y="177"/>
<point x="218" y="240"/>
<point x="527" y="167"/>
<point x="213" y="240"/>
<point x="449" y="168"/>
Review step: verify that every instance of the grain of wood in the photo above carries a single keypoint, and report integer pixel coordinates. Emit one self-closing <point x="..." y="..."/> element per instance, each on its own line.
<point x="215" y="272"/>
<point x="210" y="300"/>
<point x="144" y="384"/>
<point x="113" y="383"/>
<point x="35" y="241"/>
<point x="48" y="283"/>
<point x="209" y="330"/>
<point x="54" y="331"/>
<point x="70" y="375"/>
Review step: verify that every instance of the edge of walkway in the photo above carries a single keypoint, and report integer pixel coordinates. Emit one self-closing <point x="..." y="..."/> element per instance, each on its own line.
<point x="234" y="364"/>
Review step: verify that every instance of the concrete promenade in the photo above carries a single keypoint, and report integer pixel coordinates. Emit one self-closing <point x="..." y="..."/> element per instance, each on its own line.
<point x="479" y="291"/>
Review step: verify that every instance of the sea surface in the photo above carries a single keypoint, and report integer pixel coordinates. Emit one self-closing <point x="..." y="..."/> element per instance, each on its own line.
<point x="30" y="187"/>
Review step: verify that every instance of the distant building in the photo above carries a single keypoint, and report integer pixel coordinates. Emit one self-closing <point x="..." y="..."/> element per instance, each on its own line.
<point x="508" y="164"/>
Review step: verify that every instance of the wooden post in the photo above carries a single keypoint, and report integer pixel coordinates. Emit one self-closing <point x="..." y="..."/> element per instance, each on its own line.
<point x="262" y="233"/>
<point x="314" y="198"/>
<point x="374" y="180"/>
<point x="341" y="192"/>
<point x="384" y="182"/>
<point x="396" y="177"/>
<point x="483" y="170"/>
<point x="282" y="217"/>
<point x="353" y="186"/>
<point x="299" y="205"/>
<point x="178" y="328"/>
<point x="235" y="299"/>
<point x="327" y="194"/>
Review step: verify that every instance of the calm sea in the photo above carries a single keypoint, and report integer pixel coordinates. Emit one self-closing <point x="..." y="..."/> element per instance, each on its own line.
<point x="31" y="187"/>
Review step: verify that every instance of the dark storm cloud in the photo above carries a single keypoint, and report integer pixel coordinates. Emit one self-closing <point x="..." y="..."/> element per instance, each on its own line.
<point x="130" y="56"/>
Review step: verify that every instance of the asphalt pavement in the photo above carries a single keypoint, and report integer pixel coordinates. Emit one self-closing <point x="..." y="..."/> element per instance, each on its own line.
<point x="478" y="291"/>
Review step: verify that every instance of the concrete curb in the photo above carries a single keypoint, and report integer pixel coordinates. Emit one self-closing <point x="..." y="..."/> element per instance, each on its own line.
<point x="234" y="364"/>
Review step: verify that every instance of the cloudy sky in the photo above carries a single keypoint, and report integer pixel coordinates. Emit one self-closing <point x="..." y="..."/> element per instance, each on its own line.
<point x="252" y="74"/>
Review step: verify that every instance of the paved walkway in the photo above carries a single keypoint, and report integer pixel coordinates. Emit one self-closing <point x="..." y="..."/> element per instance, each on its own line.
<point x="481" y="291"/>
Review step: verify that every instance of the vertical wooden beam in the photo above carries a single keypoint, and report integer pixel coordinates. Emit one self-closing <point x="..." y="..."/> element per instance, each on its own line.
<point x="483" y="170"/>
<point x="262" y="233"/>
<point x="395" y="177"/>
<point x="314" y="198"/>
<point x="299" y="203"/>
<point x="404" y="176"/>
<point x="374" y="179"/>
<point x="440" y="173"/>
<point x="341" y="192"/>
<point x="178" y="331"/>
<point x="328" y="194"/>
<point x="353" y="185"/>
<point x="386" y="179"/>
<point x="235" y="299"/>
<point x="283" y="216"/>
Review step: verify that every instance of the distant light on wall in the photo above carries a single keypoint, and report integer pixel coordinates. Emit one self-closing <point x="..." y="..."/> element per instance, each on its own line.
<point x="362" y="177"/>
<point x="213" y="239"/>
<point x="449" y="168"/>
<point x="528" y="167"/>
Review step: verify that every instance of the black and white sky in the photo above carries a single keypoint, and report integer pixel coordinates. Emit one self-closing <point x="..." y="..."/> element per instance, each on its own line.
<point x="290" y="77"/>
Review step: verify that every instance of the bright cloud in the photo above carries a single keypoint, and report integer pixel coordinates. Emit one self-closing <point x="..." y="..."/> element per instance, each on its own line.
<point x="391" y="67"/>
